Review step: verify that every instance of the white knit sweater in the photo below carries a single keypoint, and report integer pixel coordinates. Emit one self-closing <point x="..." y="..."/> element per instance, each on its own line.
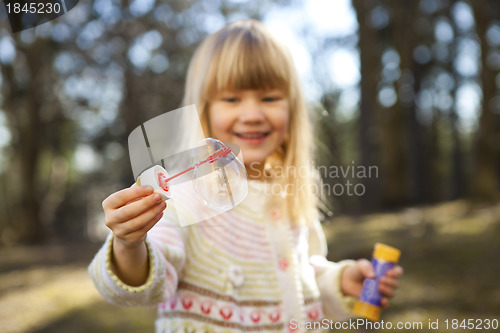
<point x="245" y="270"/>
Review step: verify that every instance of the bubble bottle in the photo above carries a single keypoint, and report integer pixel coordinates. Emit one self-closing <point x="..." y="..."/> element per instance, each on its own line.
<point x="369" y="303"/>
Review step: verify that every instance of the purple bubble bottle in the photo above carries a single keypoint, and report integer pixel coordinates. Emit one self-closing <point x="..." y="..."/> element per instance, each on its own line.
<point x="369" y="303"/>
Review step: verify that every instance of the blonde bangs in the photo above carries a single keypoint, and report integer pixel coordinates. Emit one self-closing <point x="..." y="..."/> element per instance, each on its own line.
<point x="247" y="59"/>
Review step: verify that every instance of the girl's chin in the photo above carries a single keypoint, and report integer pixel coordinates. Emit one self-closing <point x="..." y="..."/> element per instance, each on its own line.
<point x="254" y="164"/>
<point x="253" y="159"/>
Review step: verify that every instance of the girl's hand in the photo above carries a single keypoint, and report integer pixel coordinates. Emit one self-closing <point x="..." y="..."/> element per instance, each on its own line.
<point x="353" y="277"/>
<point x="131" y="213"/>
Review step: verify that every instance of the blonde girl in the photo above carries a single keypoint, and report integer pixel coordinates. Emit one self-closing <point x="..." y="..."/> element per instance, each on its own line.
<point x="260" y="266"/>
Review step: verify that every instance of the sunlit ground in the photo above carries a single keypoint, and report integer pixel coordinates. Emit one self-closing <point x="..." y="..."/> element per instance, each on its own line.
<point x="449" y="252"/>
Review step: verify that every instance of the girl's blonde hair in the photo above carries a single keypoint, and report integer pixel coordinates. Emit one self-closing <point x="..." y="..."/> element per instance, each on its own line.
<point x="244" y="55"/>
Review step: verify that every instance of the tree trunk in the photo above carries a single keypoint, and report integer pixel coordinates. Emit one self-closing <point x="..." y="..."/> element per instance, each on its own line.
<point x="369" y="136"/>
<point x="486" y="178"/>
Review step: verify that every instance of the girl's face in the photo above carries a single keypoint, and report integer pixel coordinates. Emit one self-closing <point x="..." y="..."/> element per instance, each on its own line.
<point x="256" y="120"/>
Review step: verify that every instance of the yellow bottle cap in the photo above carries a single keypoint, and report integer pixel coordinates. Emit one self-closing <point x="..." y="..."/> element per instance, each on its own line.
<point x="367" y="310"/>
<point x="386" y="252"/>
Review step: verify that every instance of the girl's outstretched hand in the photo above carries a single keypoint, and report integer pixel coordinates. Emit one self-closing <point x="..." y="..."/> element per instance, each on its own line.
<point x="131" y="212"/>
<point x="353" y="276"/>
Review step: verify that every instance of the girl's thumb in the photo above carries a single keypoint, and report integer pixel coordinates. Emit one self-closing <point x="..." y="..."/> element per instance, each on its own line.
<point x="366" y="268"/>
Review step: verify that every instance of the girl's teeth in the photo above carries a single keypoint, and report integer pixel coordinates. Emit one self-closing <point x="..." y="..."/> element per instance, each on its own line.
<point x="252" y="136"/>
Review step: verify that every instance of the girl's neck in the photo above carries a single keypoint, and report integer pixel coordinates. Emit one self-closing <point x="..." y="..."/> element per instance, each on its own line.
<point x="255" y="171"/>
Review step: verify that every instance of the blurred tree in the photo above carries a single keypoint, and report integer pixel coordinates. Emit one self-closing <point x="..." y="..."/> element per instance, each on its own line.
<point x="405" y="39"/>
<point x="486" y="180"/>
<point x="411" y="80"/>
<point x="327" y="148"/>
<point x="457" y="179"/>
<point x="34" y="115"/>
<point x="370" y="134"/>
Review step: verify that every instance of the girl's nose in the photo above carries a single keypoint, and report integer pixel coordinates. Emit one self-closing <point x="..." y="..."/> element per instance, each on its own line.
<point x="251" y="111"/>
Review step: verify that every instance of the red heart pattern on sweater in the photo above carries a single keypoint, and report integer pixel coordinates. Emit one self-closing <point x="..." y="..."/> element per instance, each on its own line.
<point x="274" y="316"/>
<point x="187" y="303"/>
<point x="255" y="317"/>
<point x="206" y="306"/>
<point x="173" y="303"/>
<point x="313" y="314"/>
<point x="226" y="312"/>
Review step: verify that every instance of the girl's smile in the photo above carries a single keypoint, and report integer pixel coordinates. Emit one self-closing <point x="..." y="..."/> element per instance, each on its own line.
<point x="253" y="137"/>
<point x="256" y="120"/>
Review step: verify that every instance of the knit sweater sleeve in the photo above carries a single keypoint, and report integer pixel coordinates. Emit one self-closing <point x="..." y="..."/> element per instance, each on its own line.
<point x="166" y="255"/>
<point x="336" y="305"/>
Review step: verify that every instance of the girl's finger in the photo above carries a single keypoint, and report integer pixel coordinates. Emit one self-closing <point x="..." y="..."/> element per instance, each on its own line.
<point x="121" y="198"/>
<point x="138" y="198"/>
<point x="136" y="208"/>
<point x="151" y="223"/>
<point x="395" y="272"/>
<point x="387" y="291"/>
<point x="390" y="282"/>
<point x="366" y="268"/>
<point x="139" y="234"/>
<point x="139" y="222"/>
<point x="384" y="302"/>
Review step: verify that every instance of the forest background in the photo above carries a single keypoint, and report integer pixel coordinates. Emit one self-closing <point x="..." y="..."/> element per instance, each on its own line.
<point x="408" y="87"/>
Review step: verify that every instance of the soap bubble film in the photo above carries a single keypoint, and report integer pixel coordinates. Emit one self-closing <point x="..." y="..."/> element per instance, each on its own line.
<point x="221" y="184"/>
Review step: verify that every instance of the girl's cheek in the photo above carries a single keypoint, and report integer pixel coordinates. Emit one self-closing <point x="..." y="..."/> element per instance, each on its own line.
<point x="220" y="129"/>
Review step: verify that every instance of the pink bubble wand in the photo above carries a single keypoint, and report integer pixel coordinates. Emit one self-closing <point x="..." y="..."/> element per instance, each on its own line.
<point x="221" y="153"/>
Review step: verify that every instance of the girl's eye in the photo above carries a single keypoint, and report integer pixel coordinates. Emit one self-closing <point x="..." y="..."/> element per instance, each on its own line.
<point x="231" y="99"/>
<point x="271" y="98"/>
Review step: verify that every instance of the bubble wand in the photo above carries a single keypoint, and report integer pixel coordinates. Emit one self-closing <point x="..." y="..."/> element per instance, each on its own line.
<point x="158" y="178"/>
<point x="221" y="153"/>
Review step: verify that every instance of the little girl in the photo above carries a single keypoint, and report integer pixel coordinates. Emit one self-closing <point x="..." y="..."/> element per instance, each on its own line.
<point x="260" y="266"/>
